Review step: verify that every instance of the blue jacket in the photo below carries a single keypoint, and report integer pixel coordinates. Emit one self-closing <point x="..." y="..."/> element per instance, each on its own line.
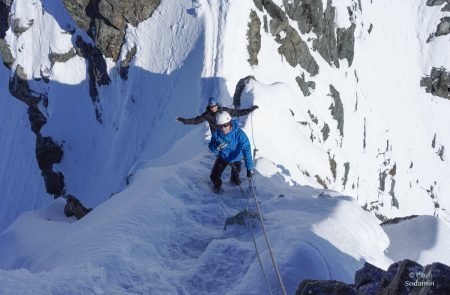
<point x="233" y="146"/>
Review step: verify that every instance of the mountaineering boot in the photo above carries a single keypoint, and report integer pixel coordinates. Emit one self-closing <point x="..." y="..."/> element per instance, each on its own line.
<point x="234" y="179"/>
<point x="217" y="188"/>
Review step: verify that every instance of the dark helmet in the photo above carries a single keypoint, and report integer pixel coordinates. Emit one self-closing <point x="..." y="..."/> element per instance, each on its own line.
<point x="212" y="101"/>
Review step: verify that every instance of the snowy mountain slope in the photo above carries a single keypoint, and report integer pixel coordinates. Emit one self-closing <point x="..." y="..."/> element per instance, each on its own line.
<point x="21" y="185"/>
<point x="366" y="129"/>
<point x="390" y="126"/>
<point x="165" y="234"/>
<point x="431" y="237"/>
<point x="373" y="154"/>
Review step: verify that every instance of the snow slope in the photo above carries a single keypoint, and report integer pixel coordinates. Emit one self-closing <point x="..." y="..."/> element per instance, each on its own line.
<point x="164" y="234"/>
<point x="163" y="231"/>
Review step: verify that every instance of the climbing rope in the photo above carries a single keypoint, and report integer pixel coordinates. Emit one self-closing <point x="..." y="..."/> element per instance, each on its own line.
<point x="254" y="243"/>
<point x="253" y="136"/>
<point x="252" y="189"/>
<point x="283" y="289"/>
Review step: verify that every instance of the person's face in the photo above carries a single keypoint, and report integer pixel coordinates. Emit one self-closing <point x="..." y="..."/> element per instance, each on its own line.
<point x="213" y="108"/>
<point x="225" y="128"/>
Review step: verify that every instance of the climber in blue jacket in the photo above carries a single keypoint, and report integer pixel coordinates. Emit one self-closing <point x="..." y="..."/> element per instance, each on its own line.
<point x="230" y="144"/>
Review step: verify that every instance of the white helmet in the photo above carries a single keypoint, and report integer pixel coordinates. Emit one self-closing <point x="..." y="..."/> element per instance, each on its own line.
<point x="222" y="118"/>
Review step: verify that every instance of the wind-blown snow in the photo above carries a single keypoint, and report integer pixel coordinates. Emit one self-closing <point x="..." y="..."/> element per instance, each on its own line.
<point x="156" y="227"/>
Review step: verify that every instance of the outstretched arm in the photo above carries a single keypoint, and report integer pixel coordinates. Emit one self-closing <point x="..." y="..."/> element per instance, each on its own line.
<point x="192" y="121"/>
<point x="238" y="113"/>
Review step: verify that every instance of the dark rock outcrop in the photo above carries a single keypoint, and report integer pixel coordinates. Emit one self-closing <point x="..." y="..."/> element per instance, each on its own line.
<point x="97" y="71"/>
<point x="437" y="83"/>
<point x="5" y="51"/>
<point x="398" y="219"/>
<point x="394" y="279"/>
<point x="293" y="48"/>
<point x="443" y="27"/>
<point x="307" y="13"/>
<point x="403" y="277"/>
<point x="125" y="64"/>
<point x="18" y="29"/>
<point x="368" y="279"/>
<point x="306" y="87"/>
<point x="337" y="109"/>
<point x="47" y="151"/>
<point x="308" y="287"/>
<point x="435" y="2"/>
<point x="37" y="119"/>
<point x="54" y="183"/>
<point x="311" y="17"/>
<point x="254" y="38"/>
<point x="105" y="21"/>
<point x="75" y="208"/>
<point x="258" y="4"/>
<point x="240" y="218"/>
<point x="346" y="43"/>
<point x="326" y="43"/>
<point x="61" y="57"/>
<point x="4" y="18"/>
<point x="296" y="51"/>
<point x="18" y="87"/>
<point x="239" y="88"/>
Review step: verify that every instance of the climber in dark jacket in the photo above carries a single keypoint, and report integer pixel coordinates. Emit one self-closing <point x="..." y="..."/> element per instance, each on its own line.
<point x="210" y="114"/>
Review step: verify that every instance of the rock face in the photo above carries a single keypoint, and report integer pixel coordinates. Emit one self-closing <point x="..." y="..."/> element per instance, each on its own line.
<point x="75" y="208"/>
<point x="324" y="287"/>
<point x="403" y="277"/>
<point x="292" y="47"/>
<point x="443" y="27"/>
<point x="5" y="51"/>
<point x="239" y="88"/>
<point x="125" y="64"/>
<point x="254" y="38"/>
<point x="311" y="17"/>
<point x="438" y="3"/>
<point x="240" y="218"/>
<point x="47" y="151"/>
<point x="307" y="87"/>
<point x="105" y="20"/>
<point x="437" y="83"/>
<point x="337" y="109"/>
<point x="4" y="15"/>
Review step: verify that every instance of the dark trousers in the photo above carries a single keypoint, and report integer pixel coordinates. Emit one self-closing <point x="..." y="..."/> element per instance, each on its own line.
<point x="219" y="167"/>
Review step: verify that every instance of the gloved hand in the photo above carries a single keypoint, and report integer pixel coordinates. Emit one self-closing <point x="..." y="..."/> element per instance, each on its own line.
<point x="249" y="173"/>
<point x="254" y="107"/>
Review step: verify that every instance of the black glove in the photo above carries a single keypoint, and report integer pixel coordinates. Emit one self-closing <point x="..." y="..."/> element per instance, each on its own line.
<point x="254" y="107"/>
<point x="249" y="173"/>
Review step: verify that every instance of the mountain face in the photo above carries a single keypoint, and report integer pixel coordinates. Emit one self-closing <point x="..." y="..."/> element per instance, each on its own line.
<point x="371" y="93"/>
<point x="353" y="111"/>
